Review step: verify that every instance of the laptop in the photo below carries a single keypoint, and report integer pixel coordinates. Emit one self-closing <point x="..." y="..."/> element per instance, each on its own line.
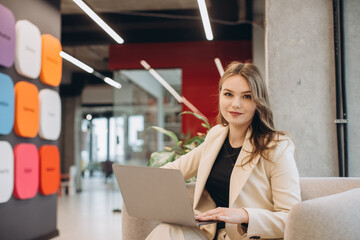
<point x="156" y="193"/>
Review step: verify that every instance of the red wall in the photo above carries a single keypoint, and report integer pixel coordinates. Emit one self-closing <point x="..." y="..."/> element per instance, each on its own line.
<point x="196" y="59"/>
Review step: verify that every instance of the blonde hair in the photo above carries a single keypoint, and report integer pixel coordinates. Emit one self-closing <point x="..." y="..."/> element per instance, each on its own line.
<point x="263" y="130"/>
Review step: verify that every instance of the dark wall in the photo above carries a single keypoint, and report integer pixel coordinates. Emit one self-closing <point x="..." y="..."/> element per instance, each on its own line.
<point x="32" y="218"/>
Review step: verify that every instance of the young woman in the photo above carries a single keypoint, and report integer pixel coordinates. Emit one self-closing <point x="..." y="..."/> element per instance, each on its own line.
<point x="246" y="172"/>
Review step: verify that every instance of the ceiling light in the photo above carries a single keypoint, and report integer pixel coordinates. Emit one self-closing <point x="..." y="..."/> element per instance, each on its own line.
<point x="76" y="62"/>
<point x="90" y="70"/>
<point x="205" y="20"/>
<point x="192" y="107"/>
<point x="219" y="66"/>
<point x="99" y="21"/>
<point x="112" y="82"/>
<point x="180" y="99"/>
<point x="161" y="80"/>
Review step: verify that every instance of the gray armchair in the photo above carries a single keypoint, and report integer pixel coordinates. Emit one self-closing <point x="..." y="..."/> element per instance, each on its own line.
<point x="330" y="209"/>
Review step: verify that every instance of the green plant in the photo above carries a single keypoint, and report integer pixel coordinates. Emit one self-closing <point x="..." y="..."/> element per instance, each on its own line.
<point x="181" y="147"/>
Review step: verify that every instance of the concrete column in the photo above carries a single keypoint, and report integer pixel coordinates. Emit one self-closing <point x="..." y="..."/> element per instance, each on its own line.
<point x="352" y="76"/>
<point x="301" y="75"/>
<point x="69" y="139"/>
<point x="258" y="35"/>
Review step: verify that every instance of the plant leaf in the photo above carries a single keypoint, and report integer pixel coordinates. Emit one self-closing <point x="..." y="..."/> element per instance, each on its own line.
<point x="166" y="132"/>
<point x="191" y="140"/>
<point x="159" y="159"/>
<point x="191" y="180"/>
<point x="189" y="147"/>
<point x="205" y="123"/>
<point x="169" y="149"/>
<point x="205" y="126"/>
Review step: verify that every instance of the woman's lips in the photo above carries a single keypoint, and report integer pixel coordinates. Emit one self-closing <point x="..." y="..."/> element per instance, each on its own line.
<point x="235" y="114"/>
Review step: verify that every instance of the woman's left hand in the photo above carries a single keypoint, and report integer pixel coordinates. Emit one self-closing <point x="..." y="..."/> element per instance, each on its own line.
<point x="228" y="215"/>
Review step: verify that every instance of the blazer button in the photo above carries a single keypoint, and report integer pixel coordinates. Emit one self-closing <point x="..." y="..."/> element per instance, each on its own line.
<point x="255" y="237"/>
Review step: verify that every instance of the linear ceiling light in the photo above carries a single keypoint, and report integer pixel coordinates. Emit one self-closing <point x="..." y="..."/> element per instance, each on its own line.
<point x="90" y="70"/>
<point x="99" y="21"/>
<point x="205" y="20"/>
<point x="219" y="66"/>
<point x="180" y="99"/>
<point x="192" y="107"/>
<point x="112" y="82"/>
<point x="76" y="62"/>
<point x="161" y="80"/>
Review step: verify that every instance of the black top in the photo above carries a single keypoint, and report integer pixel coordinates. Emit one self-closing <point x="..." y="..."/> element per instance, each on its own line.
<point x="218" y="182"/>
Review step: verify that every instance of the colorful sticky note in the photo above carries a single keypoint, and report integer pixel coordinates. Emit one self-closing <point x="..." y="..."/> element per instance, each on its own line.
<point x="26" y="169"/>
<point x="7" y="37"/>
<point x="26" y="109"/>
<point x="51" y="62"/>
<point x="50" y="114"/>
<point x="7" y="98"/>
<point x="49" y="169"/>
<point x="6" y="171"/>
<point x="27" y="49"/>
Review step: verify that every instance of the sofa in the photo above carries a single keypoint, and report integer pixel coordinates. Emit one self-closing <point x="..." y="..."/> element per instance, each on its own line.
<point x="330" y="209"/>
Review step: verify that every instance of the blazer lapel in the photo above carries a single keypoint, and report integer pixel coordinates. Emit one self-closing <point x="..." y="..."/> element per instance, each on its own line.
<point x="240" y="174"/>
<point x="207" y="161"/>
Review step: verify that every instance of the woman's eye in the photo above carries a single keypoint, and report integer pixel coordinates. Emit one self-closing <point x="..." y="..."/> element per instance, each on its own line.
<point x="228" y="94"/>
<point x="247" y="96"/>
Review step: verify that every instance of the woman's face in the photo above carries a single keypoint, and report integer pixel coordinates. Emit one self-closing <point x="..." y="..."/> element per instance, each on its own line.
<point x="236" y="102"/>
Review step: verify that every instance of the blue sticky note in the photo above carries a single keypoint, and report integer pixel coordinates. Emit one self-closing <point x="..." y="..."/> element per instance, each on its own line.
<point x="7" y="97"/>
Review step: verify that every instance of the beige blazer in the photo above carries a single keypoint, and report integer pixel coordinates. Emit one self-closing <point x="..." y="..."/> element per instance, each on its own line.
<point x="266" y="189"/>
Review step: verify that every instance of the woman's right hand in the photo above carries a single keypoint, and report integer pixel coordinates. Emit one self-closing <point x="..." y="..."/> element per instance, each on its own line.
<point x="228" y="215"/>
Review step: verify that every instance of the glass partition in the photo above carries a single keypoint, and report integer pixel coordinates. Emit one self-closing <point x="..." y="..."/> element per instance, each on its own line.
<point x="121" y="132"/>
<point x="142" y="102"/>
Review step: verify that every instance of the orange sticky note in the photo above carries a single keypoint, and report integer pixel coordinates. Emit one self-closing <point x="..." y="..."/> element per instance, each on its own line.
<point x="49" y="169"/>
<point x="51" y="62"/>
<point x="26" y="109"/>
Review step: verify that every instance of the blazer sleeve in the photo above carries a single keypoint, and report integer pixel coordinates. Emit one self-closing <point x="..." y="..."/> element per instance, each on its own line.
<point x="285" y="188"/>
<point x="189" y="163"/>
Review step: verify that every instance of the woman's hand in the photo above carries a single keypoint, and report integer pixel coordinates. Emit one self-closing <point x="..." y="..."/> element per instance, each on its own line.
<point x="228" y="215"/>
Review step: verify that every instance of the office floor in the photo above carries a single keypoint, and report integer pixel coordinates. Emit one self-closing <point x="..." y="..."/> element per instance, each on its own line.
<point x="89" y="215"/>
